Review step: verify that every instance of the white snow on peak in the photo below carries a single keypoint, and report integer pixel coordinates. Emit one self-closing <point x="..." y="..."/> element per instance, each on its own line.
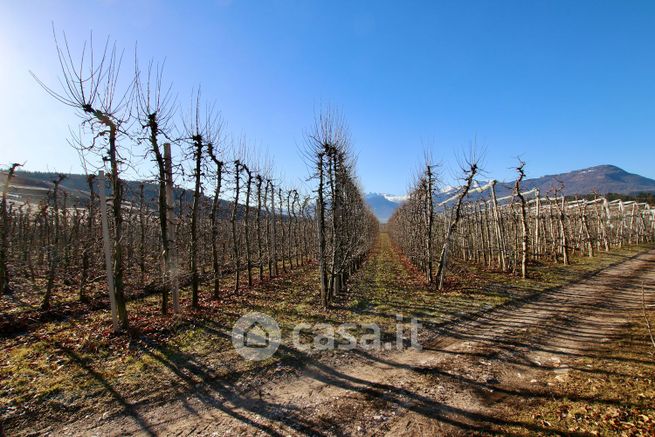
<point x="396" y="198"/>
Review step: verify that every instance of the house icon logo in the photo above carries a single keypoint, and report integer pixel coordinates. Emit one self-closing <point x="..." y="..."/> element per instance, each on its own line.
<point x="256" y="336"/>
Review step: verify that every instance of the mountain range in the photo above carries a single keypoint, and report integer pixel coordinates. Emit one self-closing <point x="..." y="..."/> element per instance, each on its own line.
<point x="601" y="179"/>
<point x="34" y="187"/>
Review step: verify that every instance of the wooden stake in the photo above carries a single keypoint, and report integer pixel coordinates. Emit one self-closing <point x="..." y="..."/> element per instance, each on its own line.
<point x="106" y="246"/>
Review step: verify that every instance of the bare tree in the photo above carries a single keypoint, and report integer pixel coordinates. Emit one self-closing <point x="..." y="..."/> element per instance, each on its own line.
<point x="249" y="177"/>
<point x="273" y="258"/>
<point x="320" y="207"/>
<point x="86" y="252"/>
<point x="233" y="221"/>
<point x="91" y="87"/>
<point x="258" y="224"/>
<point x="154" y="110"/>
<point x="4" y="232"/>
<point x="561" y="209"/>
<point x="200" y="131"/>
<point x="524" y="220"/>
<point x="429" y="217"/>
<point x="471" y="170"/>
<point x="216" y="202"/>
<point x="346" y="228"/>
<point x="53" y="247"/>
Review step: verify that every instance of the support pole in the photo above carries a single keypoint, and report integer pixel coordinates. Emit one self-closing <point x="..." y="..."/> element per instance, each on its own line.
<point x="106" y="246"/>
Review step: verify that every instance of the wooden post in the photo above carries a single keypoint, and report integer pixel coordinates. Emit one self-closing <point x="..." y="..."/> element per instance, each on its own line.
<point x="631" y="231"/>
<point x="106" y="246"/>
<point x="608" y="225"/>
<point x="499" y="228"/>
<point x="565" y="240"/>
<point x="622" y="212"/>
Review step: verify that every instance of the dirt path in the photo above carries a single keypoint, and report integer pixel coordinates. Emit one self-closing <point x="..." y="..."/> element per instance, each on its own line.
<point x="457" y="384"/>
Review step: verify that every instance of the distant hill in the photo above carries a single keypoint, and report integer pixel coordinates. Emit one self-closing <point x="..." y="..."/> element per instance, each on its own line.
<point x="602" y="179"/>
<point x="34" y="187"/>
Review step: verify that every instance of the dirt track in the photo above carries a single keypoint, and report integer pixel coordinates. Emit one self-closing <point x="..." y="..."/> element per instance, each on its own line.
<point x="456" y="384"/>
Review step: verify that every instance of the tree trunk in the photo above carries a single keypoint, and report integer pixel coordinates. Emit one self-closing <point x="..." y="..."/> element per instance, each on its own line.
<point x="274" y="233"/>
<point x="53" y="247"/>
<point x="320" y="209"/>
<point x="524" y="221"/>
<point x="86" y="252"/>
<point x="117" y="188"/>
<point x="260" y="249"/>
<point x="216" y="262"/>
<point x="430" y="219"/>
<point x="170" y="236"/>
<point x="247" y="225"/>
<point x="233" y="221"/>
<point x="4" y="234"/>
<point x="195" y="279"/>
<point x="441" y="269"/>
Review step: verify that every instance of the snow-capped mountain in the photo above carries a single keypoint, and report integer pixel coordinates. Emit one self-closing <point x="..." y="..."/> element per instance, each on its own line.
<point x="600" y="179"/>
<point x="395" y="198"/>
<point x="383" y="205"/>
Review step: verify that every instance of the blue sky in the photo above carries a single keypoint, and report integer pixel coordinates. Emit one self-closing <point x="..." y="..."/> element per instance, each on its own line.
<point x="563" y="84"/>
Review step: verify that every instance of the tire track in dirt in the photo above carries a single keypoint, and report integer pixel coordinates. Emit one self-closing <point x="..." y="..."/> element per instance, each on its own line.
<point x="453" y="386"/>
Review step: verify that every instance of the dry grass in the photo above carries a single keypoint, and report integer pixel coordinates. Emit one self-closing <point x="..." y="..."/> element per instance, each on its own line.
<point x="624" y="381"/>
<point x="66" y="369"/>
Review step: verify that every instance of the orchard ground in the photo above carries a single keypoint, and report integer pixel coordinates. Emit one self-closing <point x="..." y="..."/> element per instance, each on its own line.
<point x="564" y="351"/>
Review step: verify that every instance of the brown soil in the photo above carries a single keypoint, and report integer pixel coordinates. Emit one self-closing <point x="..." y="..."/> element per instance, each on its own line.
<point x="472" y="373"/>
